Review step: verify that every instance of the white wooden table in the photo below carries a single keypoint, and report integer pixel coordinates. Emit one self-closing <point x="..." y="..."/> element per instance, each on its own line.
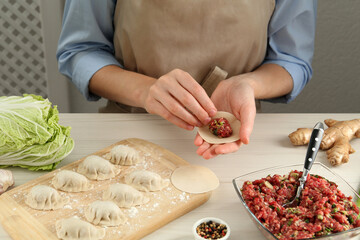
<point x="269" y="146"/>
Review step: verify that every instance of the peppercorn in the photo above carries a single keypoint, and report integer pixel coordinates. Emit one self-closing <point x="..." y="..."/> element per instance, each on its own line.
<point x="211" y="230"/>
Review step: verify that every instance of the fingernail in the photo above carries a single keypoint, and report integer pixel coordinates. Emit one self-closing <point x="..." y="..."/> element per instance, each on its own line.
<point x="212" y="112"/>
<point x="198" y="123"/>
<point x="207" y="120"/>
<point x="189" y="127"/>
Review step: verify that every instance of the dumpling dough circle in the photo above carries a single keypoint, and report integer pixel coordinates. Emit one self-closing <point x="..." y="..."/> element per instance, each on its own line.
<point x="43" y="197"/>
<point x="74" y="228"/>
<point x="97" y="168"/>
<point x="104" y="213"/>
<point x="194" y="179"/>
<point x="211" y="138"/>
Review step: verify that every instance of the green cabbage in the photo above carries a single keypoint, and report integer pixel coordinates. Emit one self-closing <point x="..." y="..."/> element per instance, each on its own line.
<point x="30" y="136"/>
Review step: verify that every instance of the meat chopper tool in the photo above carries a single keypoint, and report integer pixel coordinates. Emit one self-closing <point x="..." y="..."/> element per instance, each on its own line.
<point x="313" y="148"/>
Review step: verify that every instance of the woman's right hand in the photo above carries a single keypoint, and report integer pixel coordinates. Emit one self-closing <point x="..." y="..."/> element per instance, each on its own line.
<point x="178" y="98"/>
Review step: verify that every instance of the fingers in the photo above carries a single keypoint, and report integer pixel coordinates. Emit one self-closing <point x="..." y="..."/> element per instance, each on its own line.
<point x="201" y="96"/>
<point x="182" y="97"/>
<point x="228" y="147"/>
<point x="208" y="151"/>
<point x="163" y="112"/>
<point x="202" y="148"/>
<point x="198" y="140"/>
<point x="176" y="108"/>
<point x="189" y="102"/>
<point x="247" y="119"/>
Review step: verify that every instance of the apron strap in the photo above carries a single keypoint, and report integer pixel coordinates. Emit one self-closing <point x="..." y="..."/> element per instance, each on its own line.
<point x="213" y="79"/>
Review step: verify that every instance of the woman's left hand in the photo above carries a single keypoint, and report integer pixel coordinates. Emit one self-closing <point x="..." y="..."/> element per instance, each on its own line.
<point x="234" y="95"/>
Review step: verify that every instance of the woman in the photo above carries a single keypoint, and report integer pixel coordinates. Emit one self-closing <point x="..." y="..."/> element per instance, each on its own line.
<point x="170" y="57"/>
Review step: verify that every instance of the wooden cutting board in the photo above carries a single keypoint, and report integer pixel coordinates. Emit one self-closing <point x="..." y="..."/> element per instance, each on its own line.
<point x="23" y="222"/>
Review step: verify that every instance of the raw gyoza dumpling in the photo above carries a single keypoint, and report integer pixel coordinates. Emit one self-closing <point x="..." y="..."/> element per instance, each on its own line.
<point x="124" y="195"/>
<point x="45" y="198"/>
<point x="123" y="155"/>
<point x="147" y="181"/>
<point x="70" y="181"/>
<point x="74" y="228"/>
<point x="97" y="168"/>
<point x="104" y="213"/>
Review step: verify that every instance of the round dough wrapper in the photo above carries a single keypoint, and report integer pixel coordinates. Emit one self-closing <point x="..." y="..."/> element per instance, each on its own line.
<point x="194" y="179"/>
<point x="211" y="138"/>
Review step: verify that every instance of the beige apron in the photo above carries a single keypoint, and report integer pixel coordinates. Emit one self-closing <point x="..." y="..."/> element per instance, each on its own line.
<point x="210" y="39"/>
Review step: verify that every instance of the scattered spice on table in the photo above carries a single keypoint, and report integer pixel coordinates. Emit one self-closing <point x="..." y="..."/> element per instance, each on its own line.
<point x="211" y="230"/>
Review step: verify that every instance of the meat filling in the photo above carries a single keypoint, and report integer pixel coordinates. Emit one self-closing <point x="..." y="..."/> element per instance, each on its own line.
<point x="220" y="127"/>
<point x="323" y="208"/>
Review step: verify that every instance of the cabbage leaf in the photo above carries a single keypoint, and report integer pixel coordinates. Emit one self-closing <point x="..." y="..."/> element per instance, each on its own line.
<point x="30" y="135"/>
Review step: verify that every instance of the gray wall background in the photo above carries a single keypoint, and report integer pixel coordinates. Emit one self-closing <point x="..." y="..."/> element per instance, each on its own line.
<point x="335" y="86"/>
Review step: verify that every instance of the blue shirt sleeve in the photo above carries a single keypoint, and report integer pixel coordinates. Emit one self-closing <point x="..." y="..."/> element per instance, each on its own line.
<point x="86" y="41"/>
<point x="291" y="37"/>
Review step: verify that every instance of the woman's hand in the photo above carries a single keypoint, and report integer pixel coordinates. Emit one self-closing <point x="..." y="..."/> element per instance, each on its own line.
<point x="207" y="150"/>
<point x="178" y="98"/>
<point x="234" y="95"/>
<point x="237" y="95"/>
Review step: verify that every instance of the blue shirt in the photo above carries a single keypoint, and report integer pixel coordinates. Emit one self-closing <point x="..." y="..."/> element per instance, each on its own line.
<point x="86" y="41"/>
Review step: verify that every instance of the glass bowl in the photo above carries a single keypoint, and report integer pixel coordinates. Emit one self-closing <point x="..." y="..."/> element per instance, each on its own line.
<point x="317" y="168"/>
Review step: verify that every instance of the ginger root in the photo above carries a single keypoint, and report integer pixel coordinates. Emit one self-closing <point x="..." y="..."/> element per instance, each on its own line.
<point x="336" y="139"/>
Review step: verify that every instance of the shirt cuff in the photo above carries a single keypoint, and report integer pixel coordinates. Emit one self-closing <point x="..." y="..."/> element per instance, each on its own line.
<point x="299" y="80"/>
<point x="86" y="65"/>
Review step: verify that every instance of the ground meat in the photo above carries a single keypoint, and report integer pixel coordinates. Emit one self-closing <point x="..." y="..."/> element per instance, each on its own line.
<point x="220" y="127"/>
<point x="323" y="208"/>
